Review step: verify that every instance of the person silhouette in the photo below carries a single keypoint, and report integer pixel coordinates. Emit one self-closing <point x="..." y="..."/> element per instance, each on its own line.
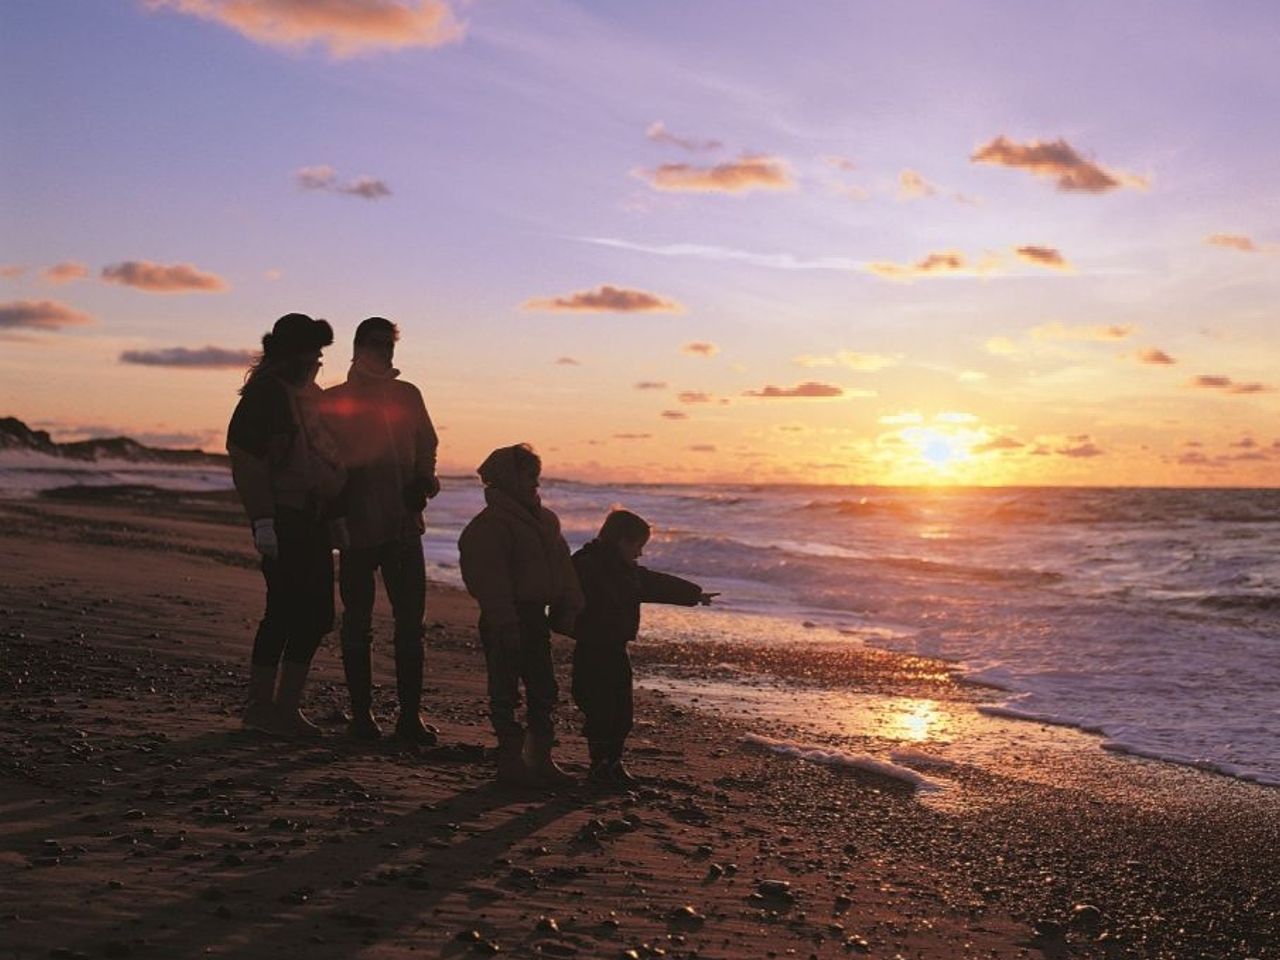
<point x="388" y="444"/>
<point x="287" y="471"/>
<point x="516" y="564"/>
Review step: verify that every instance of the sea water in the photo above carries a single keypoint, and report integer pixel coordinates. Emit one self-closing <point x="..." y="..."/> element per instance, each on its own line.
<point x="1150" y="617"/>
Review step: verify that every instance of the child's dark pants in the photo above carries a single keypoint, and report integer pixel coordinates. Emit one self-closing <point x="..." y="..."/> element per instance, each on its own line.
<point x="602" y="691"/>
<point x="531" y="662"/>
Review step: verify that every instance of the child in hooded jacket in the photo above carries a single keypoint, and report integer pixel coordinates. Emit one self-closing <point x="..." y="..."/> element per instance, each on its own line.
<point x="613" y="586"/>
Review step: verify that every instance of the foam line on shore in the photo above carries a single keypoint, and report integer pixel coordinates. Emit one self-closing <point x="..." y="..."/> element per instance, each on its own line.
<point x="1211" y="766"/>
<point x="834" y="757"/>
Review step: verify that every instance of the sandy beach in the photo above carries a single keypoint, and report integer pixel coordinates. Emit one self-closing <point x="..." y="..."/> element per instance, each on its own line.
<point x="138" y="820"/>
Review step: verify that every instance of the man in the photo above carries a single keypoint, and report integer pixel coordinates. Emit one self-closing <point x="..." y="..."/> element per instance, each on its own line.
<point x="389" y="447"/>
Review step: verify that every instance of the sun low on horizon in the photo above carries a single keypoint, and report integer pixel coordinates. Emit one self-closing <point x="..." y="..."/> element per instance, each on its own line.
<point x="727" y="241"/>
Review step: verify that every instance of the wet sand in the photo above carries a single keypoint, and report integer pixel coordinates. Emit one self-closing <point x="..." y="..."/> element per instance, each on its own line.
<point x="137" y="820"/>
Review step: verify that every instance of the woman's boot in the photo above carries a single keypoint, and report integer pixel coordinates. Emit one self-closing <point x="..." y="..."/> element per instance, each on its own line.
<point x="547" y="772"/>
<point x="289" y="719"/>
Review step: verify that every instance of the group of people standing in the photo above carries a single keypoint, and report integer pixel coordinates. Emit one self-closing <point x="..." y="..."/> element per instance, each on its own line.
<point x="351" y="468"/>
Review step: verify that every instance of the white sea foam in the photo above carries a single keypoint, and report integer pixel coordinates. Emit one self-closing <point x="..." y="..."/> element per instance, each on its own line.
<point x="26" y="473"/>
<point x="834" y="757"/>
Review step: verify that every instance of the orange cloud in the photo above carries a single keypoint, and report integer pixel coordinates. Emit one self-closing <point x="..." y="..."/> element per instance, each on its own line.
<point x="65" y="272"/>
<point x="651" y="385"/>
<point x="674" y="415"/>
<point x="207" y="358"/>
<point x="945" y="263"/>
<point x="999" y="443"/>
<point x="1156" y="356"/>
<point x="659" y="133"/>
<point x="607" y="299"/>
<point x="1232" y="241"/>
<point x="1056" y="160"/>
<point x="1056" y="331"/>
<point x="11" y="271"/>
<point x="700" y="348"/>
<point x="865" y="362"/>
<point x="40" y="315"/>
<point x="346" y="27"/>
<point x="1043" y="257"/>
<point x="159" y="278"/>
<point x="694" y="396"/>
<point x="749" y="172"/>
<point x="912" y="186"/>
<point x="810" y="389"/>
<point x="1226" y="384"/>
<point x="703" y="448"/>
<point x="632" y="436"/>
<point x="1084" y="448"/>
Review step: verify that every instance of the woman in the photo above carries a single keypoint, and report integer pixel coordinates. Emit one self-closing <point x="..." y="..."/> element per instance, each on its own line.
<point x="285" y="468"/>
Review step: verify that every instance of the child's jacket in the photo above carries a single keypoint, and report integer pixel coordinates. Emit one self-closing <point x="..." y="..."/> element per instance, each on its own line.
<point x="614" y="588"/>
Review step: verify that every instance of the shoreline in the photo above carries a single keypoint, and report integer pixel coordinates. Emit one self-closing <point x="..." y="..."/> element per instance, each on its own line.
<point x="125" y="633"/>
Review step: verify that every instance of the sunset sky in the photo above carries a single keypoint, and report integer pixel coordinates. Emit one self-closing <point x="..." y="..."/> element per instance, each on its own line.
<point x="827" y="242"/>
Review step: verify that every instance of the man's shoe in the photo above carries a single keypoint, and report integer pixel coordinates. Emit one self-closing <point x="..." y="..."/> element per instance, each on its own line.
<point x="412" y="730"/>
<point x="363" y="726"/>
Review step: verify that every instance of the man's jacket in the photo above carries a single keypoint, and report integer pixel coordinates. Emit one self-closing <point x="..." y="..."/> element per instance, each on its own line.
<point x="388" y="445"/>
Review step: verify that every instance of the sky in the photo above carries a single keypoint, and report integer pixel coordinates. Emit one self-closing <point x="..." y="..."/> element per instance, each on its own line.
<point x="716" y="240"/>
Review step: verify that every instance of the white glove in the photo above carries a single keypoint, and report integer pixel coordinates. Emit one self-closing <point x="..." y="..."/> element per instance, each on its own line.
<point x="264" y="537"/>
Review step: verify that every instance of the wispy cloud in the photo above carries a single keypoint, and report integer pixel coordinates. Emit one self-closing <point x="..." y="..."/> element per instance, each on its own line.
<point x="912" y="186"/>
<point x="694" y="396"/>
<point x="633" y="436"/>
<point x="346" y="28"/>
<point x="700" y="348"/>
<point x="567" y="362"/>
<point x="64" y="272"/>
<point x="997" y="443"/>
<point x="1001" y="347"/>
<point x="777" y="261"/>
<point x="702" y="448"/>
<point x="40" y="315"/>
<point x="606" y="299"/>
<point x="651" y="385"/>
<point x="843" y="164"/>
<point x="674" y="415"/>
<point x="162" y="278"/>
<point x="1049" y="257"/>
<point x="1232" y="241"/>
<point x="11" y="271"/>
<point x="940" y="264"/>
<point x="1103" y="333"/>
<point x="1056" y="160"/>
<point x="749" y="172"/>
<point x="324" y="177"/>
<point x="205" y="358"/>
<point x="865" y="362"/>
<point x="1227" y="385"/>
<point x="1156" y="356"/>
<point x="810" y="389"/>
<point x="1081" y="448"/>
<point x="658" y="133"/>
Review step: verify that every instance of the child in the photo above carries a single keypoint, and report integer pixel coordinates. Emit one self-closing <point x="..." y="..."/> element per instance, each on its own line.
<point x="614" y="586"/>
<point x="516" y="564"/>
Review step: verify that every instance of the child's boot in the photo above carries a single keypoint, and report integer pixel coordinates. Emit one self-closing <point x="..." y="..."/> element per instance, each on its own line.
<point x="617" y="771"/>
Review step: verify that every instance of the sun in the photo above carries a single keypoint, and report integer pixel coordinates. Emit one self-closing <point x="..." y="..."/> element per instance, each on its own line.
<point x="940" y="449"/>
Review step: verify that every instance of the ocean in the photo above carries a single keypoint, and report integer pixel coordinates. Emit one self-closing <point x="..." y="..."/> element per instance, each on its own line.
<point x="1149" y="617"/>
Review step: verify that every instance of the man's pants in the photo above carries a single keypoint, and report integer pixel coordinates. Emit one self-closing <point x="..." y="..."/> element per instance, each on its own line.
<point x="602" y="685"/>
<point x="509" y="663"/>
<point x="404" y="577"/>
<point x="299" y="591"/>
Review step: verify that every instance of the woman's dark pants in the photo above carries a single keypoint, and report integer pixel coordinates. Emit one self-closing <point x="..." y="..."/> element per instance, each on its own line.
<point x="299" y="591"/>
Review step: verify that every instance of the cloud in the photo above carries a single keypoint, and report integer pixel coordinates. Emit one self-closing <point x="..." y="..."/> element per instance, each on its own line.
<point x="865" y="362"/>
<point x="607" y="299"/>
<point x="632" y="436"/>
<point x="11" y="271"/>
<point x="1244" y="443"/>
<point x="206" y="358"/>
<point x="1083" y="449"/>
<point x="703" y="448"/>
<point x="694" y="396"/>
<point x="843" y="164"/>
<point x="749" y="172"/>
<point x="1105" y="333"/>
<point x="944" y="263"/>
<point x="651" y="385"/>
<point x="1043" y="257"/>
<point x="324" y="177"/>
<point x="40" y="315"/>
<point x="567" y="362"/>
<point x="1226" y="384"/>
<point x="658" y="133"/>
<point x="347" y="28"/>
<point x="971" y="376"/>
<point x="810" y="389"/>
<point x="1155" y="356"/>
<point x="64" y="272"/>
<point x="776" y="261"/>
<point x="674" y="415"/>
<point x="999" y="443"/>
<point x="1001" y="347"/>
<point x="160" y="278"/>
<point x="700" y="348"/>
<point x="1232" y="241"/>
<point x="1057" y="160"/>
<point x="912" y="186"/>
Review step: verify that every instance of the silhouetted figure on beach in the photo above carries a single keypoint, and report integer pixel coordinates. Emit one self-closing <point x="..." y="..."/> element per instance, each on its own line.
<point x="613" y="586"/>
<point x="388" y="446"/>
<point x="516" y="564"/>
<point x="287" y="471"/>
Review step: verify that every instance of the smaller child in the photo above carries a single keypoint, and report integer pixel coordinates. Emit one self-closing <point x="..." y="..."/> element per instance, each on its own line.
<point x="614" y="585"/>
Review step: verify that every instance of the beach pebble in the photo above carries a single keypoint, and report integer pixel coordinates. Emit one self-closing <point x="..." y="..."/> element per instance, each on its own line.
<point x="686" y="914"/>
<point x="468" y="936"/>
<point x="856" y="944"/>
<point x="548" y="924"/>
<point x="1086" y="916"/>
<point x="777" y="889"/>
